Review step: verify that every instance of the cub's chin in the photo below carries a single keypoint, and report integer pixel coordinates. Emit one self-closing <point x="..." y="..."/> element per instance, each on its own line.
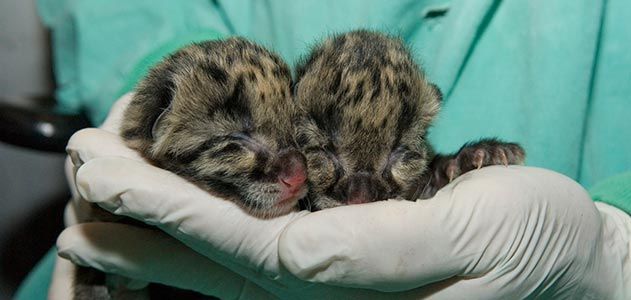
<point x="320" y="202"/>
<point x="271" y="203"/>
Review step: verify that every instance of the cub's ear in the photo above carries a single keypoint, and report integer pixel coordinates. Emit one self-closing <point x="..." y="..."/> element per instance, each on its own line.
<point x="151" y="102"/>
<point x="156" y="123"/>
<point x="430" y="105"/>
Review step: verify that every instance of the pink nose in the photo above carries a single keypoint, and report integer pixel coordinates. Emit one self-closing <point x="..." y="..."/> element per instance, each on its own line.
<point x="294" y="181"/>
<point x="359" y="198"/>
<point x="361" y="188"/>
<point x="293" y="172"/>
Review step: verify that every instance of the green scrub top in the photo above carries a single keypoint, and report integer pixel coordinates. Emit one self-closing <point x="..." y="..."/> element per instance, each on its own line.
<point x="553" y="76"/>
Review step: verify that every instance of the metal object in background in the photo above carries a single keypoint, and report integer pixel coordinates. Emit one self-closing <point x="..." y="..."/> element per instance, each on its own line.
<point x="38" y="127"/>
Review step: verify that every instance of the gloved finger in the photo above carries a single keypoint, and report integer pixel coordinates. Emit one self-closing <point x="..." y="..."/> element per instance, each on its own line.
<point x="72" y="214"/>
<point x="61" y="280"/>
<point x="210" y="225"/>
<point x="114" y="118"/>
<point x="150" y="255"/>
<point x="89" y="143"/>
<point x="486" y="224"/>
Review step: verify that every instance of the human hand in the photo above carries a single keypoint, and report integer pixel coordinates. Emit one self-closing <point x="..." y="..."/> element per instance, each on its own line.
<point x="78" y="210"/>
<point x="494" y="233"/>
<point x="218" y="231"/>
<point x="249" y="247"/>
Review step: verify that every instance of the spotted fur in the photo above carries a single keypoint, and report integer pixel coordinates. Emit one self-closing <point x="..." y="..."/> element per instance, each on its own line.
<point x="366" y="109"/>
<point x="219" y="113"/>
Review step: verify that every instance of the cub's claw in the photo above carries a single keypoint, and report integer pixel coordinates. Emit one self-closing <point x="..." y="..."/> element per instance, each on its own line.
<point x="452" y="170"/>
<point x="489" y="152"/>
<point x="486" y="152"/>
<point x="473" y="156"/>
<point x="478" y="158"/>
<point x="503" y="157"/>
<point x="493" y="155"/>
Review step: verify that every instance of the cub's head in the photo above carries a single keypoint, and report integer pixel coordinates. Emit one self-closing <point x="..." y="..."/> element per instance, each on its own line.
<point x="220" y="114"/>
<point x="366" y="109"/>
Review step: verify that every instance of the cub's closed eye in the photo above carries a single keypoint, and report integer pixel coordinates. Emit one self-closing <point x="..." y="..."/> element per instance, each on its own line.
<point x="231" y="148"/>
<point x="245" y="142"/>
<point x="239" y="136"/>
<point x="318" y="158"/>
<point x="306" y="140"/>
<point x="398" y="152"/>
<point x="411" y="155"/>
<point x="317" y="150"/>
<point x="401" y="155"/>
<point x="302" y="139"/>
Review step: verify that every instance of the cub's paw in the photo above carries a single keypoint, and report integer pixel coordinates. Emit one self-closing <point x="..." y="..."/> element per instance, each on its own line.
<point x="485" y="152"/>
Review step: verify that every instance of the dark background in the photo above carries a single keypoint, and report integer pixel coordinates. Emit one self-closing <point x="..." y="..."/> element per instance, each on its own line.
<point x="32" y="185"/>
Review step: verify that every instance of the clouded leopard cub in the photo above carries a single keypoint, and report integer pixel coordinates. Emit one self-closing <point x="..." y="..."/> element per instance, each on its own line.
<point x="220" y="114"/>
<point x="367" y="107"/>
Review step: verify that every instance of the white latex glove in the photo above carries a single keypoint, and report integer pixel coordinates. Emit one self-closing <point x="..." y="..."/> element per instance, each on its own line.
<point x="153" y="256"/>
<point x="495" y="233"/>
<point x="78" y="210"/>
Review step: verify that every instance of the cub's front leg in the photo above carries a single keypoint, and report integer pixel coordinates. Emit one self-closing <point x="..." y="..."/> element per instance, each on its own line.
<point x="474" y="155"/>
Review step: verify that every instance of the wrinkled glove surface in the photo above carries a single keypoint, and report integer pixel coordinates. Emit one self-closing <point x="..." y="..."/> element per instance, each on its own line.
<point x="496" y="233"/>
